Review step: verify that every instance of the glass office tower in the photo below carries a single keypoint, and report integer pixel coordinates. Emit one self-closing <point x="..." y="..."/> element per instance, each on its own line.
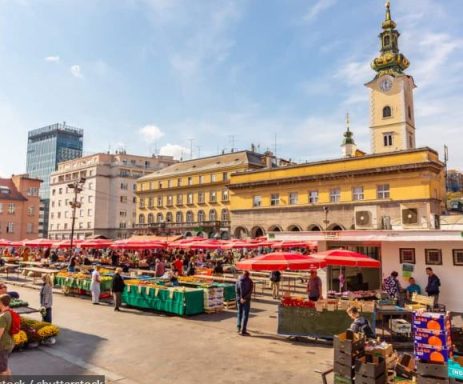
<point x="46" y="147"/>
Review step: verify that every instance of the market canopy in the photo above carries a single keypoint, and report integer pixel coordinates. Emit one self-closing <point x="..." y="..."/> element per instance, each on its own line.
<point x="280" y="261"/>
<point x="345" y="258"/>
<point x="96" y="243"/>
<point x="45" y="243"/>
<point x="67" y="243"/>
<point x="286" y="244"/>
<point x="4" y="243"/>
<point x="138" y="244"/>
<point x="241" y="244"/>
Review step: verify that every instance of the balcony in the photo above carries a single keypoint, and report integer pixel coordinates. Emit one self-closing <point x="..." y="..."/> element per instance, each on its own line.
<point x="184" y="225"/>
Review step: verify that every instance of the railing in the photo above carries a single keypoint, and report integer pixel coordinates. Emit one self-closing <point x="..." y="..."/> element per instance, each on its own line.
<point x="185" y="224"/>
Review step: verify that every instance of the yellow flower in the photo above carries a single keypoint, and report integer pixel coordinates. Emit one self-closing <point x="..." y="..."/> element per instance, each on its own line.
<point x="20" y="338"/>
<point x="48" y="331"/>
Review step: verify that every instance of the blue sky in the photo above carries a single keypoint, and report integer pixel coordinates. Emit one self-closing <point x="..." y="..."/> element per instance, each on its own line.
<point x="149" y="75"/>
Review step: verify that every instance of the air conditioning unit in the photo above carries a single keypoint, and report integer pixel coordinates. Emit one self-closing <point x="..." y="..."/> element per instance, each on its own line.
<point x="410" y="216"/>
<point x="366" y="217"/>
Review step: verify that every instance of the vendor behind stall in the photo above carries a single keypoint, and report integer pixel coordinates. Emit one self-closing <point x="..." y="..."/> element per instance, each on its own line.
<point x="360" y="324"/>
<point x="412" y="288"/>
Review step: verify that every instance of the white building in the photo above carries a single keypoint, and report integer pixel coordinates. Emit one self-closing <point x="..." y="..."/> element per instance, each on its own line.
<point x="107" y="203"/>
<point x="439" y="249"/>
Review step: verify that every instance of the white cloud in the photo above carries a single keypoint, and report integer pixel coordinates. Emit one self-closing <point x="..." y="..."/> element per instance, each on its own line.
<point x="319" y="7"/>
<point x="53" y="59"/>
<point x="151" y="133"/>
<point x="175" y="150"/>
<point x="75" y="71"/>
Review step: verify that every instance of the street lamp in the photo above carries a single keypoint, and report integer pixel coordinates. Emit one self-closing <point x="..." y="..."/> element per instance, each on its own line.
<point x="77" y="186"/>
<point x="326" y="221"/>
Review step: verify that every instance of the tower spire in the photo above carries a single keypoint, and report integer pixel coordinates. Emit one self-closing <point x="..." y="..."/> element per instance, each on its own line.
<point x="348" y="143"/>
<point x="390" y="61"/>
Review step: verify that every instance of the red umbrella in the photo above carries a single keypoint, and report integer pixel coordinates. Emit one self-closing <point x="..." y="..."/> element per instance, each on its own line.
<point x="285" y="244"/>
<point x="17" y="244"/>
<point x="208" y="244"/>
<point x="67" y="243"/>
<point x="4" y="243"/>
<point x="46" y="243"/>
<point x="241" y="244"/>
<point x="345" y="258"/>
<point x="96" y="243"/>
<point x="139" y="244"/>
<point x="280" y="261"/>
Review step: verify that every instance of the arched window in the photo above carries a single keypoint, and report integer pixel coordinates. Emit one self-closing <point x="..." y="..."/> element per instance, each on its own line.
<point x="189" y="217"/>
<point x="387" y="40"/>
<point x="169" y="218"/>
<point x="160" y="218"/>
<point x="387" y="112"/>
<point x="212" y="215"/>
<point x="201" y="216"/>
<point x="150" y="218"/>
<point x="225" y="215"/>
<point x="141" y="219"/>
<point x="179" y="217"/>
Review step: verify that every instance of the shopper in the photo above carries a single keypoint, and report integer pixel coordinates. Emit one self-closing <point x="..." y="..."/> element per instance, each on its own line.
<point x="412" y="288"/>
<point x="314" y="287"/>
<point x="433" y="287"/>
<point x="191" y="269"/>
<point x="72" y="263"/>
<point x="359" y="324"/>
<point x="4" y="291"/>
<point x="159" y="268"/>
<point x="178" y="264"/>
<point x="275" y="278"/>
<point x="243" y="289"/>
<point x="46" y="298"/>
<point x="6" y="341"/>
<point x="95" y="285"/>
<point x="392" y="285"/>
<point x="117" y="289"/>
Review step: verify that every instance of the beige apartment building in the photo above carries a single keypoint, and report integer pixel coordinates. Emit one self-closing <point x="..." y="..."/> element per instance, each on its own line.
<point x="106" y="202"/>
<point x="19" y="208"/>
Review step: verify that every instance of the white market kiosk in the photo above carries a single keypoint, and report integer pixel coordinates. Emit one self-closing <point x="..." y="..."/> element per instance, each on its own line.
<point x="439" y="249"/>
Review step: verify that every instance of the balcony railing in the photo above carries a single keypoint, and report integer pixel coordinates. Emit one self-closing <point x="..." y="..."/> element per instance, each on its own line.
<point x="185" y="224"/>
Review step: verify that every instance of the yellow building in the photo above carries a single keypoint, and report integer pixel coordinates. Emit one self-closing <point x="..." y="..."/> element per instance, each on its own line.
<point x="192" y="197"/>
<point x="397" y="186"/>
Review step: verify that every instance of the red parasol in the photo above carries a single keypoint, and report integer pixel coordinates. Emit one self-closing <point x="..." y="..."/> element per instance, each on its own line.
<point x="45" y="243"/>
<point x="208" y="244"/>
<point x="67" y="244"/>
<point x="345" y="258"/>
<point x="280" y="261"/>
<point x="138" y="244"/>
<point x="96" y="243"/>
<point x="285" y="244"/>
<point x="4" y="243"/>
<point x="241" y="244"/>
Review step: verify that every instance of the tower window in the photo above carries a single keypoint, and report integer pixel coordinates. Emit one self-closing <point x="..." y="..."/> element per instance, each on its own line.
<point x="387" y="111"/>
<point x="387" y="139"/>
<point x="409" y="112"/>
<point x="387" y="40"/>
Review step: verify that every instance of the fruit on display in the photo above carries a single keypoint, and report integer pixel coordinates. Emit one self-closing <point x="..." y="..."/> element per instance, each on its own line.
<point x="300" y="302"/>
<point x="16" y="303"/>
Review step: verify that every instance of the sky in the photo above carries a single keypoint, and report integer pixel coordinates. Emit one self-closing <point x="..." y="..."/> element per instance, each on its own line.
<point x="164" y="76"/>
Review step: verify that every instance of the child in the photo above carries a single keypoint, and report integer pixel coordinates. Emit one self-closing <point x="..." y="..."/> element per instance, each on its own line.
<point x="360" y="324"/>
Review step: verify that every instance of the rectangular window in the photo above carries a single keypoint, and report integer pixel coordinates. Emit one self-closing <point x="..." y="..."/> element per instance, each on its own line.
<point x="89" y="225"/>
<point x="59" y="202"/>
<point x="60" y="191"/>
<point x="58" y="226"/>
<point x="213" y="178"/>
<point x="179" y="182"/>
<point x="52" y="215"/>
<point x="53" y="191"/>
<point x="407" y="255"/>
<point x="225" y="176"/>
<point x="123" y="199"/>
<point x="29" y="228"/>
<point x="124" y="186"/>
<point x="313" y="197"/>
<point x="189" y="198"/>
<point x="160" y="201"/>
<point x="53" y="204"/>
<point x="81" y="225"/>
<point x="123" y="213"/>
<point x="433" y="256"/>
<point x="201" y="179"/>
<point x="457" y="257"/>
<point x="81" y="213"/>
<point x="293" y="198"/>
<point x="11" y="208"/>
<point x="169" y="183"/>
<point x="357" y="193"/>
<point x="122" y="225"/>
<point x="213" y="197"/>
<point x="141" y="203"/>
<point x="201" y="198"/>
<point x="58" y="215"/>
<point x="382" y="191"/>
<point x="30" y="211"/>
<point x="335" y="195"/>
<point x="10" y="228"/>
<point x="225" y="195"/>
<point x="160" y="185"/>
<point x="90" y="199"/>
<point x="65" y="225"/>
<point x="387" y="139"/>
<point x="274" y="199"/>
<point x="170" y="200"/>
<point x="89" y="212"/>
<point x="66" y="214"/>
<point x="179" y="199"/>
<point x="90" y="186"/>
<point x="190" y="180"/>
<point x="256" y="201"/>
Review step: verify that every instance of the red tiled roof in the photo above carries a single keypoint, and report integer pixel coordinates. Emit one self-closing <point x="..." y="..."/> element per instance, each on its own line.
<point x="8" y="191"/>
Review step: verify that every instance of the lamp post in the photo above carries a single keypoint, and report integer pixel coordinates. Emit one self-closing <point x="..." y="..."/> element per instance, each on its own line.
<point x="326" y="221"/>
<point x="77" y="186"/>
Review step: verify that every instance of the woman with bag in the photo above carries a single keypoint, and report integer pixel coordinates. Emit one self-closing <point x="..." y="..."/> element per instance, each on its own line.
<point x="95" y="285"/>
<point x="46" y="298"/>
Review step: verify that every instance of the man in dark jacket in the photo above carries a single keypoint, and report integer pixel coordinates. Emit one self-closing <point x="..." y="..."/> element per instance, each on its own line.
<point x="432" y="289"/>
<point x="244" y="287"/>
<point x="117" y="288"/>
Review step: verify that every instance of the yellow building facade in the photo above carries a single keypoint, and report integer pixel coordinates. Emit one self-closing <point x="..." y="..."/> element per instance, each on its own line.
<point x="192" y="197"/>
<point x="396" y="187"/>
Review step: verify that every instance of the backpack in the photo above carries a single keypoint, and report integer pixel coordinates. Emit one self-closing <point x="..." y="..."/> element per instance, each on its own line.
<point x="15" y="326"/>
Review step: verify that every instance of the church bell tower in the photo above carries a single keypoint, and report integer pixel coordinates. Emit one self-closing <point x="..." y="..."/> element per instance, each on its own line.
<point x="392" y="118"/>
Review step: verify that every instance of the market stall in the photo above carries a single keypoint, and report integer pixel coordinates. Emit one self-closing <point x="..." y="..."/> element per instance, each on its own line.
<point x="79" y="283"/>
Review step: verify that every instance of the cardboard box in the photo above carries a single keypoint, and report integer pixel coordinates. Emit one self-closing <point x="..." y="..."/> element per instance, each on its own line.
<point x="370" y="366"/>
<point x="432" y="369"/>
<point x="384" y="352"/>
<point x="400" y="326"/>
<point x="343" y="344"/>
<point x="455" y="367"/>
<point x="429" y="353"/>
<point x="441" y="339"/>
<point x="431" y="320"/>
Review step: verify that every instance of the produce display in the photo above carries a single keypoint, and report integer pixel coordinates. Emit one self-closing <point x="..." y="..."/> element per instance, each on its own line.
<point x="192" y="281"/>
<point x="354" y="295"/>
<point x="300" y="302"/>
<point x="34" y="332"/>
<point x="16" y="303"/>
<point x="213" y="299"/>
<point x="81" y="281"/>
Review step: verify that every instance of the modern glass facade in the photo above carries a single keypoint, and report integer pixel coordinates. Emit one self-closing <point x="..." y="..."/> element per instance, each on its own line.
<point x="46" y="147"/>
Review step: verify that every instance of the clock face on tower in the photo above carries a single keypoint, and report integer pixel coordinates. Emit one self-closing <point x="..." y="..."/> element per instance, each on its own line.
<point x="385" y="83"/>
